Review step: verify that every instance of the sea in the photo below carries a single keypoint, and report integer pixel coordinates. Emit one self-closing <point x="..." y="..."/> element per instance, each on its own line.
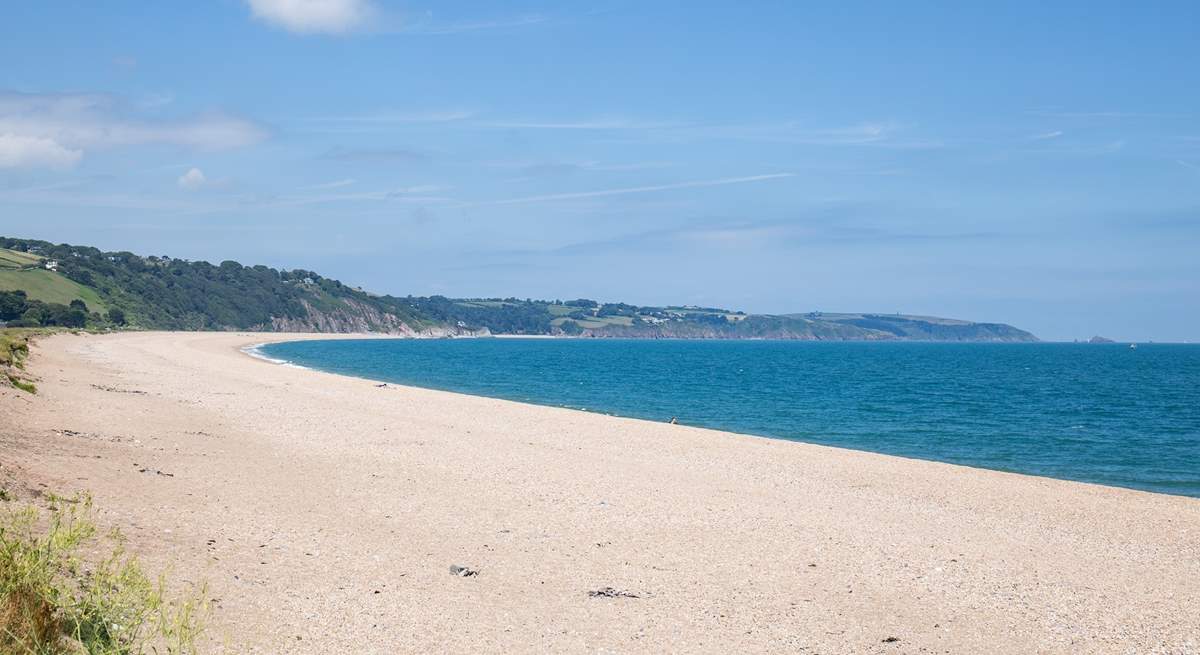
<point x="1101" y="413"/>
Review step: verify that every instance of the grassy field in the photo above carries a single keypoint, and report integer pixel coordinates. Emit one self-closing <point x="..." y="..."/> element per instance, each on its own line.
<point x="593" y="322"/>
<point x="13" y="259"/>
<point x="48" y="286"/>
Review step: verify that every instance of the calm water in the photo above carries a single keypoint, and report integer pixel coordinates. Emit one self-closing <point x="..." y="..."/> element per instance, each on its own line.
<point x="1099" y="413"/>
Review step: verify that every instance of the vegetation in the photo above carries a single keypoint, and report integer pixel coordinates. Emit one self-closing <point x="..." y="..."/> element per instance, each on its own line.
<point x="12" y="259"/>
<point x="176" y="294"/>
<point x="109" y="290"/>
<point x="14" y="348"/>
<point x="18" y="310"/>
<point x="53" y="600"/>
<point x="50" y="287"/>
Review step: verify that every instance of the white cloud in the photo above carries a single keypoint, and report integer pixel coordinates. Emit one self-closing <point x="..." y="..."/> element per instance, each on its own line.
<point x="1046" y="136"/>
<point x="59" y="129"/>
<point x="22" y="151"/>
<point x="192" y="180"/>
<point x="638" y="189"/>
<point x="313" y="16"/>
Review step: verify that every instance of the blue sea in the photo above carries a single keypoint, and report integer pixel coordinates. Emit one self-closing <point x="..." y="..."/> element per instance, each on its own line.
<point x="1098" y="413"/>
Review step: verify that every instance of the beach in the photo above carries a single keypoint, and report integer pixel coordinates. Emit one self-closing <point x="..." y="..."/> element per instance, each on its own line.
<point x="324" y="514"/>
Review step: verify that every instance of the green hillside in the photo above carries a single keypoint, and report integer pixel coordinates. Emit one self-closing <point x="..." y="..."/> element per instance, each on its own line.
<point x="13" y="259"/>
<point x="50" y="287"/>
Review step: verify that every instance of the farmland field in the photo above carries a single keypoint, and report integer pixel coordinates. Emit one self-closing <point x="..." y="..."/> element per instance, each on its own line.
<point x="48" y="286"/>
<point x="14" y="259"/>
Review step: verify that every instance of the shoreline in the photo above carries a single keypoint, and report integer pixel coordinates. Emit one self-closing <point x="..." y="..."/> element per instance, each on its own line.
<point x="249" y="350"/>
<point x="335" y="507"/>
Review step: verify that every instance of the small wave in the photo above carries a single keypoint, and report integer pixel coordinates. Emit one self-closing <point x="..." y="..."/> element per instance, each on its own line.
<point x="256" y="352"/>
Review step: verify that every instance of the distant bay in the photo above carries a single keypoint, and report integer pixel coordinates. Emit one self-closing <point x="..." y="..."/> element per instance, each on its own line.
<point x="1097" y="413"/>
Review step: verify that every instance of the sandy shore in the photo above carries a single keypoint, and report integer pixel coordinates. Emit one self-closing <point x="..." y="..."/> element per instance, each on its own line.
<point x="324" y="513"/>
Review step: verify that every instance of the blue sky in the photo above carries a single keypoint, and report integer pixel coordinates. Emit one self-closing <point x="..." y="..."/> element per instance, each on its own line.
<point x="1019" y="163"/>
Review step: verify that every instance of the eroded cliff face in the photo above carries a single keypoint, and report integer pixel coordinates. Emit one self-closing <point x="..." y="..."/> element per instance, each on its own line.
<point x="352" y="316"/>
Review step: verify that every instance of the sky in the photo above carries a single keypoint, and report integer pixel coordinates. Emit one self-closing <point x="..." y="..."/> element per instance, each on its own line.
<point x="1014" y="162"/>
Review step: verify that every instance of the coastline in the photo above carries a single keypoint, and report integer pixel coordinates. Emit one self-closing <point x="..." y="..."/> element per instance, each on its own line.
<point x="336" y="507"/>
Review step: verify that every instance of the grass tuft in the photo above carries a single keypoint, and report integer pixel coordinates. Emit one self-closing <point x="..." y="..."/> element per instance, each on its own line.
<point x="14" y="347"/>
<point x="53" y="600"/>
<point x="14" y="350"/>
<point x="23" y="385"/>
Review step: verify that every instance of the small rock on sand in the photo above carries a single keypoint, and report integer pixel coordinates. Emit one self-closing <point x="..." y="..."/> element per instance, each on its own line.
<point x="609" y="592"/>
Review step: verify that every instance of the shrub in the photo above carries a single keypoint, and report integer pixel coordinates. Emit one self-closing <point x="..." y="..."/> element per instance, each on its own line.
<point x="53" y="601"/>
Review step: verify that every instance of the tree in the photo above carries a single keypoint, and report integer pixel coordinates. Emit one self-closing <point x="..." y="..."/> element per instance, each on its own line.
<point x="73" y="318"/>
<point x="79" y="304"/>
<point x="12" y="305"/>
<point x="116" y="316"/>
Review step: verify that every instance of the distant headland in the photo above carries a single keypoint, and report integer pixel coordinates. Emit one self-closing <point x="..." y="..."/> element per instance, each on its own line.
<point x="46" y="284"/>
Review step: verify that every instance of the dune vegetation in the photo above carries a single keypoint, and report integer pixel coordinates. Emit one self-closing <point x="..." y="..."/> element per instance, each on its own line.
<point x="58" y="596"/>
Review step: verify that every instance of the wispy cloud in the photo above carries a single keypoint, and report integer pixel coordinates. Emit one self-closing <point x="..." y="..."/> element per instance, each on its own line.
<point x="368" y="123"/>
<point x="125" y="62"/>
<point x="343" y="17"/>
<point x="584" y="124"/>
<point x="430" y="26"/>
<point x="1045" y="136"/>
<point x="834" y="225"/>
<point x="1107" y="148"/>
<point x="542" y="169"/>
<point x="314" y="16"/>
<point x="336" y="184"/>
<point x="375" y="155"/>
<point x="441" y="116"/>
<point x="871" y="133"/>
<point x="638" y="189"/>
<point x="77" y="196"/>
<point x="418" y="193"/>
<point x="1188" y="164"/>
<point x="875" y="134"/>
<point x="881" y="134"/>
<point x="1108" y="115"/>
<point x="57" y="130"/>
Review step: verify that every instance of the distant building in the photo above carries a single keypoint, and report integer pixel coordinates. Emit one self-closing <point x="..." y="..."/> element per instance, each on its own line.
<point x="51" y="265"/>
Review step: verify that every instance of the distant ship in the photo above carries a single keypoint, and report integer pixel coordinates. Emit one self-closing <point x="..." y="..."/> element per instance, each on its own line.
<point x="1133" y="346"/>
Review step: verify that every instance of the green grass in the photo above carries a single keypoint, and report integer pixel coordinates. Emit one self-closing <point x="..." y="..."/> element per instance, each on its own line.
<point x="17" y="259"/>
<point x="593" y="322"/>
<point x="54" y="599"/>
<point x="48" y="286"/>
<point x="14" y="348"/>
<point x="23" y="385"/>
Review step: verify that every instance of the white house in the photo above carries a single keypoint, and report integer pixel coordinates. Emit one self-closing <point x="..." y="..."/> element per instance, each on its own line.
<point x="51" y="265"/>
